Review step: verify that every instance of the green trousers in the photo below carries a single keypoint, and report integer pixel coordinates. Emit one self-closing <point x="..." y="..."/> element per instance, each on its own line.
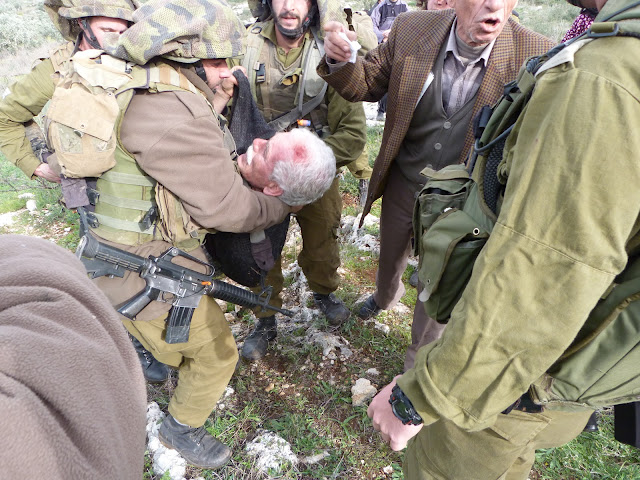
<point x="205" y="363"/>
<point x="505" y="451"/>
<point x="320" y="256"/>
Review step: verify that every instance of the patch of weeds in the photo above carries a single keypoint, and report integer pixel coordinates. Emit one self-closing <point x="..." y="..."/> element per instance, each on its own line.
<point x="349" y="184"/>
<point x="301" y="431"/>
<point x="233" y="428"/>
<point x="376" y="208"/>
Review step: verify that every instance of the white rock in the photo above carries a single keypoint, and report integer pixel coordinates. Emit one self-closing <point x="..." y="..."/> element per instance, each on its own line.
<point x="362" y="392"/>
<point x="310" y="460"/>
<point x="373" y="371"/>
<point x="32" y="206"/>
<point x="272" y="452"/>
<point x="382" y="327"/>
<point x="329" y="343"/>
<point x="164" y="459"/>
<point x="401" y="309"/>
<point x="388" y="470"/>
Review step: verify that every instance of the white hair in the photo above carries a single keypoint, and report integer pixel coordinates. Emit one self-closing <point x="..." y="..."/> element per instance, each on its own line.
<point x="307" y="171"/>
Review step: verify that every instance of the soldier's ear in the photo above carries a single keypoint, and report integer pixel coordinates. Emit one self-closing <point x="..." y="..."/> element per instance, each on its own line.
<point x="272" y="189"/>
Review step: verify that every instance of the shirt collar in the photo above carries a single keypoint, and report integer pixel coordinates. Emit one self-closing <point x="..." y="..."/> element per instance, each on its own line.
<point x="452" y="46"/>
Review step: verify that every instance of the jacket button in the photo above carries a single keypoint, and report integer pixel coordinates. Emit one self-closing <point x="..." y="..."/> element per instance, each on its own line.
<point x="437" y="146"/>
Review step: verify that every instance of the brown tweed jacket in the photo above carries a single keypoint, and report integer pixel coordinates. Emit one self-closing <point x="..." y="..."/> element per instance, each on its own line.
<point x="401" y="65"/>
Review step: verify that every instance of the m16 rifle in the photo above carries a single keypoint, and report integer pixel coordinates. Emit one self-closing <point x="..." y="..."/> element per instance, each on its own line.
<point x="166" y="282"/>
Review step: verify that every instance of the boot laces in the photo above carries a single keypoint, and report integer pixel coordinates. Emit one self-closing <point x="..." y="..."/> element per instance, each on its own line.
<point x="198" y="435"/>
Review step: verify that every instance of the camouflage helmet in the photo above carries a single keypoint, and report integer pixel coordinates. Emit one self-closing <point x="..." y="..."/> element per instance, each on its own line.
<point x="328" y="11"/>
<point x="180" y="30"/>
<point x="65" y="13"/>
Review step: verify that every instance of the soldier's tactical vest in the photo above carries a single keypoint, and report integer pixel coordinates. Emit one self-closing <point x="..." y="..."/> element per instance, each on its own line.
<point x="130" y="207"/>
<point x="276" y="87"/>
<point x="453" y="218"/>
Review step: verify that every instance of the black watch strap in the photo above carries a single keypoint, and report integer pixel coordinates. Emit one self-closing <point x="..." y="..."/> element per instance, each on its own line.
<point x="403" y="408"/>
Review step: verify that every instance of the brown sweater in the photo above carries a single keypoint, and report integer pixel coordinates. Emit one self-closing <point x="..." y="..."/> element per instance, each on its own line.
<point x="176" y="140"/>
<point x="72" y="395"/>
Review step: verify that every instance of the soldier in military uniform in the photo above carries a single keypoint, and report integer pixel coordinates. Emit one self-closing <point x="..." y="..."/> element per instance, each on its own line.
<point x="84" y="23"/>
<point x="172" y="181"/>
<point x="477" y="403"/>
<point x="281" y="59"/>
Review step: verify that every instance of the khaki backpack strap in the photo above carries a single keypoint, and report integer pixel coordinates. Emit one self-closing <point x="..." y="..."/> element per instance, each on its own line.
<point x="251" y="59"/>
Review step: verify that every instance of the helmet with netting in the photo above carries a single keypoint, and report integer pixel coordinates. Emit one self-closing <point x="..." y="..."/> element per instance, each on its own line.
<point x="327" y="11"/>
<point x="180" y="30"/>
<point x="65" y="13"/>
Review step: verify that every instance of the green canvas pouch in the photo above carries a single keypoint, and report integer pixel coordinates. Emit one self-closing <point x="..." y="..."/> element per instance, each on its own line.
<point x="448" y="252"/>
<point x="443" y="189"/>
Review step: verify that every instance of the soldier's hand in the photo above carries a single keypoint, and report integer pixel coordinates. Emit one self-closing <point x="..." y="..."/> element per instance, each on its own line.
<point x="44" y="171"/>
<point x="336" y="47"/>
<point x="228" y="84"/>
<point x="390" y="427"/>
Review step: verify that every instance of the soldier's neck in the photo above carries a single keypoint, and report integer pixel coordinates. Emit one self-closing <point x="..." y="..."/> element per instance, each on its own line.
<point x="288" y="43"/>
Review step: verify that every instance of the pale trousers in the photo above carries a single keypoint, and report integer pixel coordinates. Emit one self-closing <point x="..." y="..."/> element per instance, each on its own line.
<point x="205" y="363"/>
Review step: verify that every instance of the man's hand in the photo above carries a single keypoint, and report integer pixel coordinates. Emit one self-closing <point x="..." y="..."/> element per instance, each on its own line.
<point x="335" y="47"/>
<point x="224" y="91"/>
<point x="390" y="427"/>
<point x="385" y="35"/>
<point x="44" y="171"/>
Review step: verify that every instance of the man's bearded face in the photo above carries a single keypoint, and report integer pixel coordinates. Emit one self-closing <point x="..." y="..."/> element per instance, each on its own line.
<point x="290" y="14"/>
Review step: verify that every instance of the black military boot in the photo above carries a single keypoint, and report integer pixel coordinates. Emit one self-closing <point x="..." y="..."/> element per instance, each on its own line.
<point x="196" y="445"/>
<point x="333" y="308"/>
<point x="369" y="309"/>
<point x="592" y="423"/>
<point x="256" y="343"/>
<point x="153" y="370"/>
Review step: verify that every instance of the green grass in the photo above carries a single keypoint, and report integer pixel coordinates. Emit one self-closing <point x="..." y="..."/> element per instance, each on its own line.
<point x="551" y="18"/>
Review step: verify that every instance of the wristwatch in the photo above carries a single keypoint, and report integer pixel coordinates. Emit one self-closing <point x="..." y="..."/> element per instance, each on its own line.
<point x="403" y="408"/>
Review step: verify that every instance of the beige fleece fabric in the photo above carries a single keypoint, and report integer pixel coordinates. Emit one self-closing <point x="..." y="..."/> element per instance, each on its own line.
<point x="72" y="394"/>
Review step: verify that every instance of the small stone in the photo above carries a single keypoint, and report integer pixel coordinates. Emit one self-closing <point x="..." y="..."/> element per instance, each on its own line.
<point x="270" y="387"/>
<point x="362" y="392"/>
<point x="388" y="470"/>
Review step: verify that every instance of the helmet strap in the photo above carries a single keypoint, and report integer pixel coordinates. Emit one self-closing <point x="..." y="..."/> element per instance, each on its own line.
<point x="88" y="34"/>
<point x="199" y="68"/>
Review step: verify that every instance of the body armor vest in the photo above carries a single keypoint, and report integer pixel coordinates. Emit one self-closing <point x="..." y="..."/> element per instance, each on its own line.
<point x="130" y="207"/>
<point x="276" y="88"/>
